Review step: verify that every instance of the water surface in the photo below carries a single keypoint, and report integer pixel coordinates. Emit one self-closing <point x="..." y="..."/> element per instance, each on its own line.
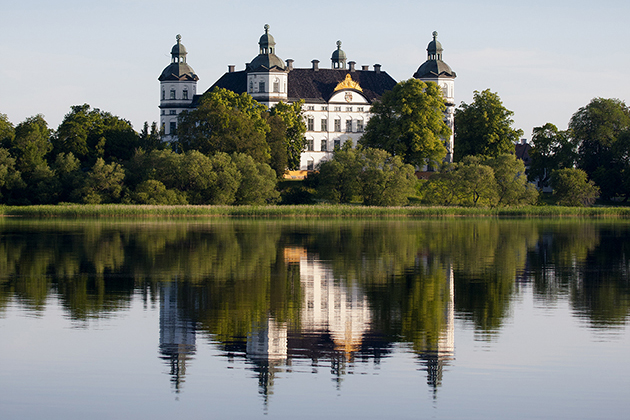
<point x="285" y="319"/>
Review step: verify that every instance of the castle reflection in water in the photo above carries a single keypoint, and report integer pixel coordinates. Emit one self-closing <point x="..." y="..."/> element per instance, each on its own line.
<point x="335" y="331"/>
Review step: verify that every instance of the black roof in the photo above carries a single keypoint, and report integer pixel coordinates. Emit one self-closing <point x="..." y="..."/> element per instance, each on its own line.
<point x="317" y="85"/>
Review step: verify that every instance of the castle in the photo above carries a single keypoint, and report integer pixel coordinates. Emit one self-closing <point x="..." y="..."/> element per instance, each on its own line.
<point x="337" y="100"/>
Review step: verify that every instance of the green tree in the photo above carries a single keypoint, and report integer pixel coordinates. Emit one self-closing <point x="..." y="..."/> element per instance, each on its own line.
<point x="31" y="143"/>
<point x="484" y="128"/>
<point x="596" y="130"/>
<point x="10" y="177"/>
<point x="294" y="141"/>
<point x="552" y="149"/>
<point x="67" y="169"/>
<point x="571" y="187"/>
<point x="408" y="122"/>
<point x="258" y="181"/>
<point x="7" y="131"/>
<point x="90" y="134"/>
<point x="154" y="192"/>
<point x="150" y="139"/>
<point x="225" y="122"/>
<point x="385" y="179"/>
<point x="339" y="179"/>
<point x="511" y="182"/>
<point x="103" y="183"/>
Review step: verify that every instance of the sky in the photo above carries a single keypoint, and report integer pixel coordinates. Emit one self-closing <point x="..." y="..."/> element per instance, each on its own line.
<point x="545" y="59"/>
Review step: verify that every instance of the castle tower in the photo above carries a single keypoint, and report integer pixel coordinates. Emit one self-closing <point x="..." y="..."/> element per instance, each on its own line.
<point x="267" y="74"/>
<point x="178" y="85"/>
<point x="437" y="71"/>
<point x="338" y="59"/>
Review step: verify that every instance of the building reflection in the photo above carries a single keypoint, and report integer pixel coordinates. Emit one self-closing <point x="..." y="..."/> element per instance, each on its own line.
<point x="177" y="334"/>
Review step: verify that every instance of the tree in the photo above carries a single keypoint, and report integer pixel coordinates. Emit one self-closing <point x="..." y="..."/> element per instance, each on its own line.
<point x="571" y="187"/>
<point x="7" y="131"/>
<point x="511" y="182"/>
<point x="599" y="132"/>
<point x="386" y="180"/>
<point x="484" y="128"/>
<point x="225" y="122"/>
<point x="103" y="183"/>
<point x="150" y="140"/>
<point x="31" y="143"/>
<point x="371" y="175"/>
<point x="154" y="192"/>
<point x="408" y="122"/>
<point x="552" y="149"/>
<point x="258" y="181"/>
<point x="90" y="134"/>
<point x="294" y="141"/>
<point x="10" y="178"/>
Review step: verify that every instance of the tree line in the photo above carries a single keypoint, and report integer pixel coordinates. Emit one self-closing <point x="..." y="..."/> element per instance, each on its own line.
<point x="233" y="150"/>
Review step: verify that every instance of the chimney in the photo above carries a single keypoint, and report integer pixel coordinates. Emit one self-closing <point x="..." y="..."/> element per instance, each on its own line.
<point x="231" y="68"/>
<point x="377" y="68"/>
<point x="289" y="64"/>
<point x="315" y="65"/>
<point x="365" y="68"/>
<point x="351" y="64"/>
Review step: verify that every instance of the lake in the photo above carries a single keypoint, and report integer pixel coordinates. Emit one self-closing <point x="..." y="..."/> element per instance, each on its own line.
<point x="283" y="319"/>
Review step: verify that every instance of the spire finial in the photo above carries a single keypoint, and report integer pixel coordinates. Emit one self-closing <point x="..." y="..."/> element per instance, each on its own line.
<point x="266" y="28"/>
<point x="178" y="38"/>
<point x="435" y="34"/>
<point x="338" y="45"/>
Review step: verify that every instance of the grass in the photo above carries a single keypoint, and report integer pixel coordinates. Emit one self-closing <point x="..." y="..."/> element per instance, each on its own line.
<point x="298" y="211"/>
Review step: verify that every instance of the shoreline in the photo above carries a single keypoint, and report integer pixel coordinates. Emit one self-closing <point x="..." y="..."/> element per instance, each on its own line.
<point x="306" y="211"/>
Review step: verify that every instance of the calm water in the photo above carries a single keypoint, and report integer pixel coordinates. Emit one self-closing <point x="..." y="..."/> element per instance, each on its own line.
<point x="314" y="319"/>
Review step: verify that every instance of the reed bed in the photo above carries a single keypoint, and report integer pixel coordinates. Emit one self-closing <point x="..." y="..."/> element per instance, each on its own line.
<point x="297" y="211"/>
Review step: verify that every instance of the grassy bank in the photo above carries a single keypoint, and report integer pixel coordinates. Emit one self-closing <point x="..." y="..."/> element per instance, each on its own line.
<point x="118" y="210"/>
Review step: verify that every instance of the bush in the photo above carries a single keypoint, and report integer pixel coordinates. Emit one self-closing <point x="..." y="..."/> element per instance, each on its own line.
<point x="571" y="187"/>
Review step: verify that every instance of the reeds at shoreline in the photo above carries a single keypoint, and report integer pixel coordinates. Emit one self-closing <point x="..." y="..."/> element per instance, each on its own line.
<point x="297" y="211"/>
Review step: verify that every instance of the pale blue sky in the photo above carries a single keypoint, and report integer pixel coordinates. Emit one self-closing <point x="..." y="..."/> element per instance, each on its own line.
<point x="545" y="59"/>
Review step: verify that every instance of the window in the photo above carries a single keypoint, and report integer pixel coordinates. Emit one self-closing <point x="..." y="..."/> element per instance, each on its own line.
<point x="359" y="126"/>
<point x="310" y="124"/>
<point x="172" y="112"/>
<point x="173" y="128"/>
<point x="163" y="95"/>
<point x="324" y="145"/>
<point x="276" y="86"/>
<point x="310" y="165"/>
<point x="324" y="126"/>
<point x="310" y="107"/>
<point x="324" y="108"/>
<point x="337" y="125"/>
<point x="359" y="109"/>
<point x="309" y="145"/>
<point x="337" y="144"/>
<point x="261" y="87"/>
<point x="251" y="86"/>
<point x="163" y="112"/>
<point x="172" y="93"/>
<point x="349" y="108"/>
<point x="185" y="94"/>
<point x="337" y="108"/>
<point x="348" y="126"/>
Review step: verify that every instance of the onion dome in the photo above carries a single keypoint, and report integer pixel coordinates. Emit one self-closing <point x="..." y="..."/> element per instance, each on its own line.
<point x="434" y="66"/>
<point x="178" y="69"/>
<point x="266" y="59"/>
<point x="338" y="58"/>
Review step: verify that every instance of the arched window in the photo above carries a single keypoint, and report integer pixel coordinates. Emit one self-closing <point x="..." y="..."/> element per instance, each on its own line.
<point x="251" y="86"/>
<point x="185" y="94"/>
<point x="261" y="86"/>
<point x="276" y="85"/>
<point x="172" y="93"/>
<point x="163" y="94"/>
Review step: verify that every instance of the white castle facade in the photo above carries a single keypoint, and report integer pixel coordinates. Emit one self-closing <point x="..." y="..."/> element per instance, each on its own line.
<point x="337" y="100"/>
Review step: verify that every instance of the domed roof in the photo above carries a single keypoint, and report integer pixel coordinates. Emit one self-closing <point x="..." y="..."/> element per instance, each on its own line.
<point x="266" y="39"/>
<point x="266" y="59"/>
<point x="178" y="49"/>
<point x="178" y="69"/>
<point x="338" y="54"/>
<point x="434" y="66"/>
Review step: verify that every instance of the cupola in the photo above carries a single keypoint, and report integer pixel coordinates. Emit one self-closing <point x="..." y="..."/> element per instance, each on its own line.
<point x="434" y="66"/>
<point x="267" y="58"/>
<point x="338" y="58"/>
<point x="178" y="69"/>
